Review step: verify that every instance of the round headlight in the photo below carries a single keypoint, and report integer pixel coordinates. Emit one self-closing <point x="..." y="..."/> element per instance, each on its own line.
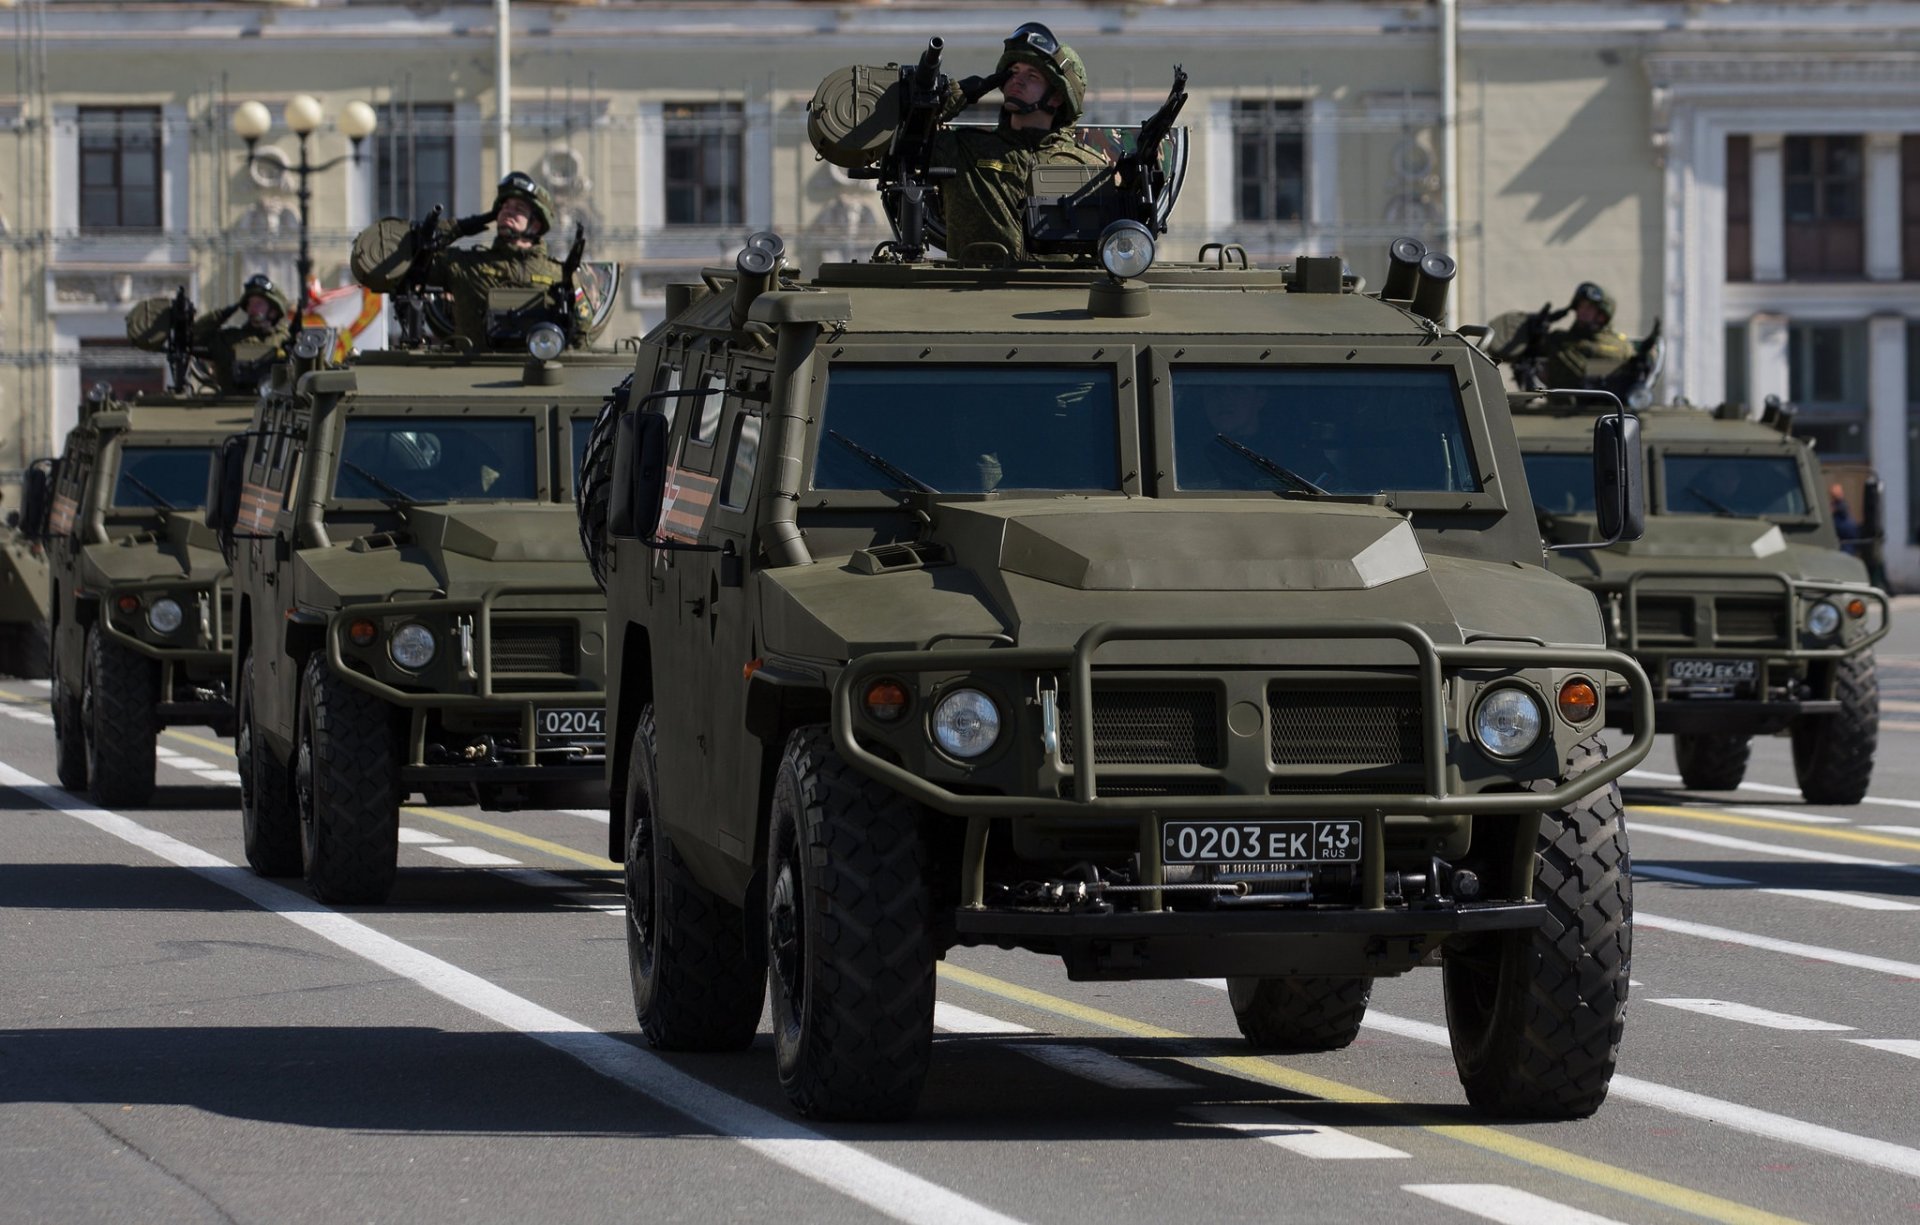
<point x="546" y="341"/>
<point x="1126" y="249"/>
<point x="1507" y="721"/>
<point x="966" y="723"/>
<point x="165" y="616"/>
<point x="1823" y="619"/>
<point x="411" y="646"/>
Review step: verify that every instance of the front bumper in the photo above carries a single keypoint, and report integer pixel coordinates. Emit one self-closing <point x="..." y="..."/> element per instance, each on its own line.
<point x="208" y="647"/>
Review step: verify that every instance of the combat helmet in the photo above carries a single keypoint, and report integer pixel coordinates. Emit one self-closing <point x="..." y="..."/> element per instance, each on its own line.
<point x="520" y="185"/>
<point x="259" y="285"/>
<point x="1588" y="291"/>
<point x="1035" y="44"/>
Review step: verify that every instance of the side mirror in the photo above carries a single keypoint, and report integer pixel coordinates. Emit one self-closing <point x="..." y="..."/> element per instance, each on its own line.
<point x="1619" y="478"/>
<point x="639" y="474"/>
<point x="228" y="477"/>
<point x="36" y="498"/>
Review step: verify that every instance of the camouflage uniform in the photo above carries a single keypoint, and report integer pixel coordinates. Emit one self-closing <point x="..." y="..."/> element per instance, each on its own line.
<point x="1579" y="358"/>
<point x="242" y="356"/>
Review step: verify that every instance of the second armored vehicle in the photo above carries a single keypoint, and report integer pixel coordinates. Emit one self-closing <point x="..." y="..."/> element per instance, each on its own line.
<point x="25" y="644"/>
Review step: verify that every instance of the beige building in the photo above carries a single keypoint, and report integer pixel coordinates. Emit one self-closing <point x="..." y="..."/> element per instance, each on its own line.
<point x="1747" y="173"/>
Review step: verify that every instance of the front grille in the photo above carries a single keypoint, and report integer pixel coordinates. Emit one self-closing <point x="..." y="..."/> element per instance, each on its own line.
<point x="1384" y="786"/>
<point x="1148" y="786"/>
<point x="532" y="648"/>
<point x="1666" y="618"/>
<point x="1762" y="620"/>
<point x="1344" y="727"/>
<point x="1149" y="727"/>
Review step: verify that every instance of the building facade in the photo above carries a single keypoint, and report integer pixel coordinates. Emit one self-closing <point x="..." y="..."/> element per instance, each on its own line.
<point x="1746" y="173"/>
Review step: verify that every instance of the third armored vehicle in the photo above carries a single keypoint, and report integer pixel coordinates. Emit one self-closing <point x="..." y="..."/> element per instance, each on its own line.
<point x="1738" y="601"/>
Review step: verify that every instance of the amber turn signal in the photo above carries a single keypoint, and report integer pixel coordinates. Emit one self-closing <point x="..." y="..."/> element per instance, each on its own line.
<point x="886" y="701"/>
<point x="1578" y="701"/>
<point x="1856" y="608"/>
<point x="129" y="604"/>
<point x="362" y="632"/>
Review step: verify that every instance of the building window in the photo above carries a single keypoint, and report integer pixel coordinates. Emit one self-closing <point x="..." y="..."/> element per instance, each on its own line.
<point x="1910" y="210"/>
<point x="705" y="153"/>
<point x="1739" y="208"/>
<point x="1824" y="186"/>
<point x="1269" y="160"/>
<point x="413" y="160"/>
<point x="1736" y="368"/>
<point x="125" y="370"/>
<point x="119" y="168"/>
<point x="1827" y="382"/>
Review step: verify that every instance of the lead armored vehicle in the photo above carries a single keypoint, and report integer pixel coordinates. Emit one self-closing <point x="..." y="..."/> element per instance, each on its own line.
<point x="1738" y="600"/>
<point x="411" y="609"/>
<point x="137" y="585"/>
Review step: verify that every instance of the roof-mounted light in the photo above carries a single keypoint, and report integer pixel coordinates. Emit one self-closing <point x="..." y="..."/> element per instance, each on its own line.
<point x="545" y="341"/>
<point x="1126" y="249"/>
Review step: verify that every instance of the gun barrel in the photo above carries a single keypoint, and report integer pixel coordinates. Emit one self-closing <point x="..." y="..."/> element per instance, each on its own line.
<point x="927" y="74"/>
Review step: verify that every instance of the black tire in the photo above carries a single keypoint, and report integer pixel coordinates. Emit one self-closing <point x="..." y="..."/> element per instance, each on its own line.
<point x="346" y="789"/>
<point x="69" y="739"/>
<point x="1299" y="1014"/>
<point x="591" y="483"/>
<point x="1536" y="1017"/>
<point x="850" y="947"/>
<point x="1712" y="762"/>
<point x="696" y="986"/>
<point x="1833" y="754"/>
<point x="119" y="697"/>
<point x="269" y="821"/>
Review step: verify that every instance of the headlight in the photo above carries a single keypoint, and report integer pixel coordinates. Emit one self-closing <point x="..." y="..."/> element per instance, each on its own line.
<point x="1126" y="249"/>
<point x="1507" y="721"/>
<point x="412" y="646"/>
<point x="966" y="723"/>
<point x="165" y="616"/>
<point x="546" y="341"/>
<point x="1823" y="619"/>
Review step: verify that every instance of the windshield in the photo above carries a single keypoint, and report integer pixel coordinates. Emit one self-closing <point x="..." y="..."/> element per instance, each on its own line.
<point x="171" y="478"/>
<point x="438" y="459"/>
<point x="577" y="433"/>
<point x="1339" y="431"/>
<point x="1562" y="483"/>
<point x="1747" y="485"/>
<point x="964" y="429"/>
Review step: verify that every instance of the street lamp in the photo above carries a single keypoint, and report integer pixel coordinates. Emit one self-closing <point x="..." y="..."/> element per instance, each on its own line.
<point x="357" y="121"/>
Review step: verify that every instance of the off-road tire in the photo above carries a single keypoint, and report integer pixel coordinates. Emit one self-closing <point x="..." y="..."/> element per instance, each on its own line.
<point x="696" y="986"/>
<point x="118" y="702"/>
<point x="592" y="482"/>
<point x="69" y="738"/>
<point x="1833" y="754"/>
<point x="346" y="789"/>
<point x="1536" y="1017"/>
<point x="269" y="821"/>
<point x="1712" y="762"/>
<point x="1299" y="1014"/>
<point x="850" y="945"/>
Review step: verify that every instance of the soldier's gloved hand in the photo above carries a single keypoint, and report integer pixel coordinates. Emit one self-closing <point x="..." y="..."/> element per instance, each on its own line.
<point x="976" y="88"/>
<point x="473" y="225"/>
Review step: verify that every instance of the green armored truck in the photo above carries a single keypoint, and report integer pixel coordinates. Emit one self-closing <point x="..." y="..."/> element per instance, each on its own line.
<point x="1173" y="620"/>
<point x="137" y="585"/>
<point x="24" y="592"/>
<point x="1738" y="600"/>
<point x="412" y="612"/>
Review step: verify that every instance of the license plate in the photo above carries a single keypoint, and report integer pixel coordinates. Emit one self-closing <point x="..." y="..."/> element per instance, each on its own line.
<point x="1187" y="842"/>
<point x="1712" y="671"/>
<point x="570" y="723"/>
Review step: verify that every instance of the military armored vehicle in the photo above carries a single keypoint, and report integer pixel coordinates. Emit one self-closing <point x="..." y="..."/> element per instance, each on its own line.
<point x="137" y="585"/>
<point x="24" y="642"/>
<point x="1738" y="600"/>
<point x="412" y="612"/>
<point x="1174" y="620"/>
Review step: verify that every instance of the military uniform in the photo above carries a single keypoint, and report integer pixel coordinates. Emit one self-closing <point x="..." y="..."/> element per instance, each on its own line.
<point x="986" y="199"/>
<point x="240" y="357"/>
<point x="1576" y="358"/>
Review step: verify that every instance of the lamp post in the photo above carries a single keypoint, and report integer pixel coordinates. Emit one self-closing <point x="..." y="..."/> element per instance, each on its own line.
<point x="251" y="121"/>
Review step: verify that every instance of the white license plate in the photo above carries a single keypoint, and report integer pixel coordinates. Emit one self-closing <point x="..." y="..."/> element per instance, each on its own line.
<point x="1712" y="671"/>
<point x="570" y="723"/>
<point x="1187" y="842"/>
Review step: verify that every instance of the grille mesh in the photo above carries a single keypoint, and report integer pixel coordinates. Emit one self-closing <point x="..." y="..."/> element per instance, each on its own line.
<point x="1146" y="786"/>
<point x="532" y="648"/>
<point x="1141" y="727"/>
<point x="1344" y="727"/>
<point x="1765" y="620"/>
<point x="1666" y="618"/>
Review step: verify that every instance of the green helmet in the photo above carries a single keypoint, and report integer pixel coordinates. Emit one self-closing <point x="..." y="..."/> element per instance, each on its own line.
<point x="1035" y="44"/>
<point x="1587" y="291"/>
<point x="259" y="286"/>
<point x="520" y="185"/>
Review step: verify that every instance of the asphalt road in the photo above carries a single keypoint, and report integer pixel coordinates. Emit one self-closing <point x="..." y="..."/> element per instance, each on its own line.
<point x="183" y="1041"/>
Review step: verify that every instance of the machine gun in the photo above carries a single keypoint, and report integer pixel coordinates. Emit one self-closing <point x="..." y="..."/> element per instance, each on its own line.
<point x="565" y="296"/>
<point x="410" y="304"/>
<point x="1522" y="350"/>
<point x="1070" y="206"/>
<point x="1633" y="381"/>
<point x="1139" y="176"/>
<point x="179" y="343"/>
<point x="906" y="173"/>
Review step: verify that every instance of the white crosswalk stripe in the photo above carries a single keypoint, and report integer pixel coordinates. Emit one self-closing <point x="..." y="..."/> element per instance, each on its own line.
<point x="1787" y="814"/>
<point x="1910" y="1047"/>
<point x="1746" y="1014"/>
<point x="472" y="856"/>
<point x="419" y="837"/>
<point x="1686" y="876"/>
<point x="1507" y="1205"/>
<point x="1296" y="1135"/>
<point x="1086" y="1062"/>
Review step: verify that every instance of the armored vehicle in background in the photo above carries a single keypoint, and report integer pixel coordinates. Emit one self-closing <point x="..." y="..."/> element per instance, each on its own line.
<point x="412" y="612"/>
<point x="24" y="591"/>
<point x="137" y="585"/>
<point x="1738" y="600"/>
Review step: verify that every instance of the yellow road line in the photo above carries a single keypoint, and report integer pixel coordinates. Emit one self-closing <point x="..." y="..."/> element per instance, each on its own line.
<point x="202" y="741"/>
<point x="1530" y="1152"/>
<point x="1785" y="827"/>
<point x="7" y="695"/>
<point x="514" y="836"/>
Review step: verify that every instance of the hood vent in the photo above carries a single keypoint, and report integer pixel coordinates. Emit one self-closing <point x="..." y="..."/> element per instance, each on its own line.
<point x="912" y="555"/>
<point x="377" y="540"/>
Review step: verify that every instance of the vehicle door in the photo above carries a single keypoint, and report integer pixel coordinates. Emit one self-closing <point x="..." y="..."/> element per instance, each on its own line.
<point x="262" y="535"/>
<point x="63" y="547"/>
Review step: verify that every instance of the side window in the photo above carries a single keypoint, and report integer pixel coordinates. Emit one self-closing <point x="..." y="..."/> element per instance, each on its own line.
<point x="666" y="377"/>
<point x="708" y="423"/>
<point x="746" y="456"/>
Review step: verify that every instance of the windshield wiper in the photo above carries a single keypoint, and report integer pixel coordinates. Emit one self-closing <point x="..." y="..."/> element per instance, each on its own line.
<point x="1718" y="508"/>
<point x="397" y="498"/>
<point x="152" y="494"/>
<point x="1293" y="480"/>
<point x="892" y="470"/>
